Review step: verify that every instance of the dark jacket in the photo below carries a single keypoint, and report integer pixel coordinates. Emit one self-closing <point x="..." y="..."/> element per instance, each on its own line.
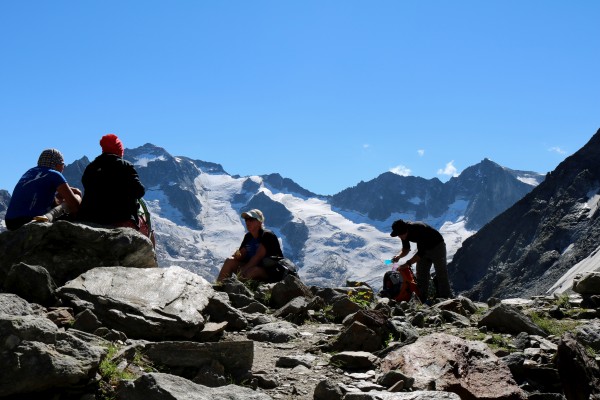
<point x="423" y="235"/>
<point x="111" y="189"/>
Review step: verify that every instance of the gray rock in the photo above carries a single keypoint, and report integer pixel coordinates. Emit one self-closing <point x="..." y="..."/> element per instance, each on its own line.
<point x="354" y="360"/>
<point x="327" y="390"/>
<point x="235" y="357"/>
<point x="392" y="377"/>
<point x="455" y="319"/>
<point x="67" y="250"/>
<point x="36" y="356"/>
<point x="152" y="303"/>
<point x="255" y="307"/>
<point x="344" y="307"/>
<point x="165" y="386"/>
<point x="220" y="310"/>
<point x="293" y="361"/>
<point x="212" y="331"/>
<point x="296" y="311"/>
<point x="589" y="334"/>
<point x="403" y="332"/>
<point x="460" y="305"/>
<point x="86" y="321"/>
<point x="447" y="363"/>
<point x="233" y="285"/>
<point x="240" y="300"/>
<point x="11" y="304"/>
<point x="418" y="395"/>
<point x="521" y="341"/>
<point x="275" y="332"/>
<point x="31" y="282"/>
<point x="357" y="337"/>
<point x="579" y="373"/>
<point x="287" y="289"/>
<point x="508" y="319"/>
<point x="587" y="284"/>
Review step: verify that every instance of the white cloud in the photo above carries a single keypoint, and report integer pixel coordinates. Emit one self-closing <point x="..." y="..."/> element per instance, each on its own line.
<point x="421" y="152"/>
<point x="556" y="149"/>
<point x="449" y="170"/>
<point x="366" y="146"/>
<point x="401" y="170"/>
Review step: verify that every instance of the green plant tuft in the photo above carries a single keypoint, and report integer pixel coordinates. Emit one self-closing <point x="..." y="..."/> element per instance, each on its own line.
<point x="554" y="326"/>
<point x="363" y="298"/>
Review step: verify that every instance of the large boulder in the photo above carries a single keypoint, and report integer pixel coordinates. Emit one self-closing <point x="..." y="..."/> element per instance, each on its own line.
<point x="35" y="355"/>
<point x="447" y="363"/>
<point x="67" y="249"/>
<point x="152" y="303"/>
<point x="579" y="373"/>
<point x="508" y="319"/>
<point x="587" y="284"/>
<point x="164" y="386"/>
<point x="231" y="359"/>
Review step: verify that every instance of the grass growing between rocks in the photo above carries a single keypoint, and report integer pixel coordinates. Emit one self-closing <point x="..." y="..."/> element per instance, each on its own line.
<point x="114" y="369"/>
<point x="495" y="341"/>
<point x="363" y="298"/>
<point x="556" y="327"/>
<point x="109" y="369"/>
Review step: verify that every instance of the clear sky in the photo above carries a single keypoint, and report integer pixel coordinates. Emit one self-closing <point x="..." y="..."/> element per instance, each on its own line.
<point x="327" y="93"/>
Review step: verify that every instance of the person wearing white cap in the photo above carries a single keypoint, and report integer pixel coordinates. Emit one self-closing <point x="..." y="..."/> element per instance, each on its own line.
<point x="248" y="262"/>
<point x="42" y="194"/>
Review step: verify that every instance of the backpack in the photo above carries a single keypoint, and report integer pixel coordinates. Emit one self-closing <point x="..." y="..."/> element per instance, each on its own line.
<point x="145" y="222"/>
<point x="399" y="285"/>
<point x="279" y="268"/>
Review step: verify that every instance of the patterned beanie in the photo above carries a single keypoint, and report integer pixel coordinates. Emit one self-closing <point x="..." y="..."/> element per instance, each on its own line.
<point x="111" y="144"/>
<point x="49" y="158"/>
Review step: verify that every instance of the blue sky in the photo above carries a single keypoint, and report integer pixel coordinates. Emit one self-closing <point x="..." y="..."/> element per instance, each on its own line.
<point x="327" y="93"/>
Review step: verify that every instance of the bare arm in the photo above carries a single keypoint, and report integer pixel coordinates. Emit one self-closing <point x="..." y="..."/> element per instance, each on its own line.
<point x="72" y="199"/>
<point x="261" y="252"/>
<point x="397" y="257"/>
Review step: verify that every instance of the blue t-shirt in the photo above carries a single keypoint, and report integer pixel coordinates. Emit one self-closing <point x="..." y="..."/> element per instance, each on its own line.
<point x="34" y="193"/>
<point x="267" y="239"/>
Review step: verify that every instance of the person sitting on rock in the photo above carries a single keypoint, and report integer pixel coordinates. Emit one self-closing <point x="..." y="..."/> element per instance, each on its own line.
<point x="42" y="194"/>
<point x="111" y="188"/>
<point x="252" y="259"/>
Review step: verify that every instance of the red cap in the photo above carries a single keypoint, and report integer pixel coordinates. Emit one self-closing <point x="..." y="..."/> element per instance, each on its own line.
<point x="111" y="144"/>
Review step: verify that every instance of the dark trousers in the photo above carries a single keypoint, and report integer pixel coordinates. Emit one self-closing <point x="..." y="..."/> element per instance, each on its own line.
<point x="437" y="257"/>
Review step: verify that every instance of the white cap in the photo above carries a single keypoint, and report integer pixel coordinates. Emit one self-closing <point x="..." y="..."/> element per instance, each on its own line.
<point x="254" y="214"/>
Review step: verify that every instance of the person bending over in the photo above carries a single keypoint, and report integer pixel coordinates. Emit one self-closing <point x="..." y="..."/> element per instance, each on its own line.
<point x="431" y="249"/>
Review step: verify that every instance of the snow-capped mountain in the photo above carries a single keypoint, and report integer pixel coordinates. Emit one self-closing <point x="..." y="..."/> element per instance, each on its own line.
<point x="196" y="207"/>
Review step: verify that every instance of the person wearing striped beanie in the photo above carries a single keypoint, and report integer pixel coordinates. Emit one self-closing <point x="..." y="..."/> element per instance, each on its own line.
<point x="42" y="194"/>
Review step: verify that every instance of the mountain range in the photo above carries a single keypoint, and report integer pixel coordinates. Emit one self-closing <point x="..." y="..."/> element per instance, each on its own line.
<point x="196" y="206"/>
<point x="538" y="245"/>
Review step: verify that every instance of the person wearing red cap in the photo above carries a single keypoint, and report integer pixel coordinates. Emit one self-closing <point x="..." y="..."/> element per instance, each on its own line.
<point x="42" y="193"/>
<point x="111" y="187"/>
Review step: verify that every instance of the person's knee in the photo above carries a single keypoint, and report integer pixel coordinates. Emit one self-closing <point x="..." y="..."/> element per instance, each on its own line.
<point x="254" y="273"/>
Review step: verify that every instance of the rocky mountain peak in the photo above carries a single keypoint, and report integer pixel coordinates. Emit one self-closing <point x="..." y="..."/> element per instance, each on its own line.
<point x="196" y="205"/>
<point x="524" y="250"/>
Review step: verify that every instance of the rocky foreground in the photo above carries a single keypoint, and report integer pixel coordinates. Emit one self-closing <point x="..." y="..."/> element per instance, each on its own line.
<point x="85" y="314"/>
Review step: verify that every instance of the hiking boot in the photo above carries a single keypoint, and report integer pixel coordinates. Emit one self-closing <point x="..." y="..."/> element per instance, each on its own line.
<point x="41" y="218"/>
